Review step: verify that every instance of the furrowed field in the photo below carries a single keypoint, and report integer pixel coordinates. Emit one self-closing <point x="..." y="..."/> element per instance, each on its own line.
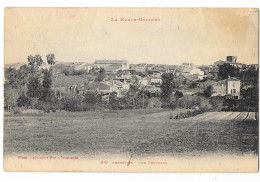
<point x="137" y="132"/>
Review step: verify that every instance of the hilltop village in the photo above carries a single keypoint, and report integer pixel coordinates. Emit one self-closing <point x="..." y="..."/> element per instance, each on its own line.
<point x="116" y="84"/>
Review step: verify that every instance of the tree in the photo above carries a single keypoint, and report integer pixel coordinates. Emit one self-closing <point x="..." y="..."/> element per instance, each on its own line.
<point x="131" y="97"/>
<point x="91" y="100"/>
<point x="35" y="60"/>
<point x="113" y="101"/>
<point x="230" y="103"/>
<point x="178" y="94"/>
<point x="31" y="60"/>
<point x="38" y="60"/>
<point x="47" y="81"/>
<point x="66" y="72"/>
<point x="71" y="103"/>
<point x="226" y="70"/>
<point x="217" y="102"/>
<point x="250" y="98"/>
<point x="173" y="103"/>
<point x="167" y="86"/>
<point x="119" y="73"/>
<point x="46" y="85"/>
<point x="12" y="76"/>
<point x="24" y="73"/>
<point x="10" y="97"/>
<point x="251" y="72"/>
<point x="34" y="87"/>
<point x="24" y="101"/>
<point x="208" y="91"/>
<point x="50" y="59"/>
<point x="153" y="103"/>
<point x="18" y="78"/>
<point x="101" y="75"/>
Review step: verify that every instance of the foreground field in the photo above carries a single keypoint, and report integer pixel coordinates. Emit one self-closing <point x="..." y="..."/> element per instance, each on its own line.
<point x="139" y="133"/>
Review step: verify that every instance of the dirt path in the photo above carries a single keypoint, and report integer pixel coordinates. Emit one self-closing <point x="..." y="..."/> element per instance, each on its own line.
<point x="251" y="116"/>
<point x="222" y="116"/>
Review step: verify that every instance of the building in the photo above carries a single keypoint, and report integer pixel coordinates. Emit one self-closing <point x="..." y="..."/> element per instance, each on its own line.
<point x="152" y="89"/>
<point x="144" y="81"/>
<point x="189" y="92"/>
<point x="155" y="81"/>
<point x="187" y="64"/>
<point x="113" y="68"/>
<point x="150" y="67"/>
<point x="45" y="66"/>
<point x="231" y="59"/>
<point x="140" y="67"/>
<point x="213" y="69"/>
<point x="103" y="88"/>
<point x="156" y="74"/>
<point x="97" y="88"/>
<point x="220" y="88"/>
<point x="60" y="67"/>
<point x="59" y="91"/>
<point x="192" y="71"/>
<point x="219" y="63"/>
<point x="233" y="88"/>
<point x="229" y="87"/>
<point x="255" y="66"/>
<point x="121" y="64"/>
<point x="83" y="67"/>
<point x="238" y="65"/>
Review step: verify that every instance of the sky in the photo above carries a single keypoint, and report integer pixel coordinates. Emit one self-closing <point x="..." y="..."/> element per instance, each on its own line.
<point x="201" y="36"/>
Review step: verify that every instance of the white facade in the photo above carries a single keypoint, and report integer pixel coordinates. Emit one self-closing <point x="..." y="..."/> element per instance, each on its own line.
<point x="156" y="80"/>
<point x="105" y="63"/>
<point x="84" y="66"/>
<point x="144" y="81"/>
<point x="196" y="71"/>
<point x="233" y="87"/>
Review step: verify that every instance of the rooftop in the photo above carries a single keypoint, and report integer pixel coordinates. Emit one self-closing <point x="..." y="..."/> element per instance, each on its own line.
<point x="233" y="79"/>
<point x="67" y="81"/>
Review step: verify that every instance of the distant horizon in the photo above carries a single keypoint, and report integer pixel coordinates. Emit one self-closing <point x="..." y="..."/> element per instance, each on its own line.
<point x="92" y="62"/>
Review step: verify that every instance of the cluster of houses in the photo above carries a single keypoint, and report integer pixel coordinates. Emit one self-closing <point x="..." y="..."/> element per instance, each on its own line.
<point x="145" y="76"/>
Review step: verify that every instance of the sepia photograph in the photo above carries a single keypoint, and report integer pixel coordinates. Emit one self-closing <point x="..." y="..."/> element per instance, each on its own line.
<point x="131" y="89"/>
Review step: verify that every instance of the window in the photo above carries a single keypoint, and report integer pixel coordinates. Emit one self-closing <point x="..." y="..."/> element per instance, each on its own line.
<point x="234" y="84"/>
<point x="234" y="91"/>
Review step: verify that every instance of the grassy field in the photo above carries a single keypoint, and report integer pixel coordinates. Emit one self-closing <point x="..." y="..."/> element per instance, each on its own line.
<point x="137" y="132"/>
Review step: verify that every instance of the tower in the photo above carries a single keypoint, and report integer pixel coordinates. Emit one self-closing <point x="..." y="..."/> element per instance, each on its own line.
<point x="232" y="59"/>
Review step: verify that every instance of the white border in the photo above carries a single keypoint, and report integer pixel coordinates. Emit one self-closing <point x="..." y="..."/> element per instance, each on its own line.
<point x="11" y="176"/>
<point x="131" y="3"/>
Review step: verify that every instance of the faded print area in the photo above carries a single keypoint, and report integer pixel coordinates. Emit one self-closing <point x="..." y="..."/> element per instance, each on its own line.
<point x="131" y="90"/>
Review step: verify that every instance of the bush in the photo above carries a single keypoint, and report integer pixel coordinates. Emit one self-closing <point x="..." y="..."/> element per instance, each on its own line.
<point x="16" y="111"/>
<point x="178" y="94"/>
<point x="46" y="106"/>
<point x="24" y="101"/>
<point x="208" y="91"/>
<point x="71" y="103"/>
<point x="217" y="102"/>
<point x="189" y="102"/>
<point x="153" y="103"/>
<point x="91" y="101"/>
<point x="191" y="113"/>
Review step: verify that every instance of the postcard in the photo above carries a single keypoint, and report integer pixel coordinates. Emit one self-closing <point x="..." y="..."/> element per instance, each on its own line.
<point x="131" y="89"/>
